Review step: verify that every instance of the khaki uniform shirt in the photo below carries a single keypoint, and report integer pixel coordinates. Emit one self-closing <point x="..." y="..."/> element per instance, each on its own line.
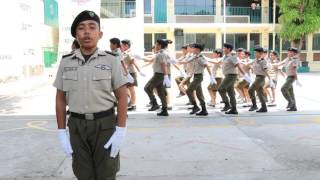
<point x="273" y="70"/>
<point x="229" y="63"/>
<point x="259" y="66"/>
<point x="90" y="84"/>
<point x="128" y="60"/>
<point x="217" y="69"/>
<point x="189" y="66"/>
<point x="161" y="58"/>
<point x="199" y="64"/>
<point x="291" y="65"/>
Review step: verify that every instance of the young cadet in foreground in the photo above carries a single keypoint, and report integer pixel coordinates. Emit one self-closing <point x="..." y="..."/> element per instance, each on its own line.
<point x="90" y="77"/>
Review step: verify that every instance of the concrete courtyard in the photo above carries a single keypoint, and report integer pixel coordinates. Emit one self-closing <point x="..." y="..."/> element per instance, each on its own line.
<point x="275" y="145"/>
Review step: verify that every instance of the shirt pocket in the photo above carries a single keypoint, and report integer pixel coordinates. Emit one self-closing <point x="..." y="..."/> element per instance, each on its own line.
<point x="101" y="79"/>
<point x="70" y="79"/>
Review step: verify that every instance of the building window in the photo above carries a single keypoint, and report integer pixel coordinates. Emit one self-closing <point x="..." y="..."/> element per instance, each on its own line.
<point x="238" y="40"/>
<point x="316" y="42"/>
<point x="159" y="36"/>
<point x="147" y="6"/>
<point x="118" y="9"/>
<point x="277" y="44"/>
<point x="192" y="7"/>
<point x="209" y="40"/>
<point x="286" y="44"/>
<point x="148" y="42"/>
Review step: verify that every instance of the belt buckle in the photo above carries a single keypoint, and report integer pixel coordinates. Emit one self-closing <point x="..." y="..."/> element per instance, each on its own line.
<point x="89" y="116"/>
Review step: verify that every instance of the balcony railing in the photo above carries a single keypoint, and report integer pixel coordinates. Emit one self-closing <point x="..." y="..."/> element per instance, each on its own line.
<point x="253" y="14"/>
<point x="118" y="9"/>
<point x="194" y="10"/>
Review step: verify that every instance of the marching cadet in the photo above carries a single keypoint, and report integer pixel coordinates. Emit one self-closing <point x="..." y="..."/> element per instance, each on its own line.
<point x="217" y="74"/>
<point x="241" y="83"/>
<point x="189" y="70"/>
<point x="291" y="64"/>
<point x="273" y="72"/>
<point x="260" y="68"/>
<point x="90" y="77"/>
<point x="199" y="64"/>
<point x="160" y="79"/>
<point x="116" y="49"/>
<point x="131" y="65"/>
<point x="230" y="63"/>
<point x="183" y="71"/>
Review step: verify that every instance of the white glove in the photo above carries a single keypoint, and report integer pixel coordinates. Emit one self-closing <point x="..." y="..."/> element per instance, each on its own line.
<point x="183" y="74"/>
<point x="142" y="74"/>
<point x="172" y="61"/>
<point x="65" y="142"/>
<point x="130" y="78"/>
<point x="166" y="81"/>
<point x="298" y="83"/>
<point x="213" y="80"/>
<point x="271" y="83"/>
<point x="116" y="140"/>
<point x="247" y="78"/>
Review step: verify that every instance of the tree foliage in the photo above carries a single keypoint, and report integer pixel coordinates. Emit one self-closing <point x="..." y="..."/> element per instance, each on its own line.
<point x="298" y="18"/>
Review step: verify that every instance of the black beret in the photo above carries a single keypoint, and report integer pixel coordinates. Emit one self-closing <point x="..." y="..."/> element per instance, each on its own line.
<point x="293" y="49"/>
<point x="258" y="49"/>
<point x="240" y="50"/>
<point x="198" y="46"/>
<point x="83" y="16"/>
<point x="227" y="45"/>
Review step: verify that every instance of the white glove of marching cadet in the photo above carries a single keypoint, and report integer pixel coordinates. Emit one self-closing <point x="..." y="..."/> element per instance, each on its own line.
<point x="130" y="78"/>
<point x="247" y="78"/>
<point x="271" y="83"/>
<point x="142" y="74"/>
<point x="166" y="81"/>
<point x="213" y="80"/>
<point x="116" y="140"/>
<point x="183" y="74"/>
<point x="298" y="83"/>
<point x="65" y="142"/>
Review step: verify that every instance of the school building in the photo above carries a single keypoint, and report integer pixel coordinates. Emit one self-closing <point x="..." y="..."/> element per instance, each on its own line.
<point x="247" y="23"/>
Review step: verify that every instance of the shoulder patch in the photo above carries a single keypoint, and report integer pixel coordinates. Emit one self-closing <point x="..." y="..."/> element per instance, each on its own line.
<point x="67" y="55"/>
<point x="111" y="53"/>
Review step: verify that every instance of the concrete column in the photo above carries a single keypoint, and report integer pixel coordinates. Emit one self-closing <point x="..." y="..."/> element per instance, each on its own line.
<point x="265" y="11"/>
<point x="170" y="11"/>
<point x="219" y="39"/>
<point x="218" y="16"/>
<point x="309" y="47"/>
<point x="265" y="39"/>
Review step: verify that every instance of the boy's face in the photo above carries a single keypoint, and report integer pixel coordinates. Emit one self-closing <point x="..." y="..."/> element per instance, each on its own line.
<point x="88" y="34"/>
<point x="226" y="50"/>
<point x="241" y="54"/>
<point x="124" y="47"/>
<point x="291" y="53"/>
<point x="272" y="56"/>
<point x="215" y="55"/>
<point x="259" y="55"/>
<point x="113" y="46"/>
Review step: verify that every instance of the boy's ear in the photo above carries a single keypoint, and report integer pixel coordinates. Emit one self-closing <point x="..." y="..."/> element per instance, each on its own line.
<point x="100" y="34"/>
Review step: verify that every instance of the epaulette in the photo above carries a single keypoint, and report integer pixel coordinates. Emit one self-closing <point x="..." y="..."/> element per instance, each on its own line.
<point x="111" y="53"/>
<point x="67" y="55"/>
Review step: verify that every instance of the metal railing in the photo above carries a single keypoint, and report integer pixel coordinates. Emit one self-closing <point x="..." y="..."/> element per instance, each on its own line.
<point x="253" y="14"/>
<point x="194" y="10"/>
<point x="118" y="9"/>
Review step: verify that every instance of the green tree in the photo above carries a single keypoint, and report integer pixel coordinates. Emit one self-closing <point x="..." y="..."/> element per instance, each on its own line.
<point x="298" y="18"/>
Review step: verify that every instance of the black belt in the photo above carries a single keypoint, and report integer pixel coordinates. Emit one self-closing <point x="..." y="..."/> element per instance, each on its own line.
<point x="93" y="116"/>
